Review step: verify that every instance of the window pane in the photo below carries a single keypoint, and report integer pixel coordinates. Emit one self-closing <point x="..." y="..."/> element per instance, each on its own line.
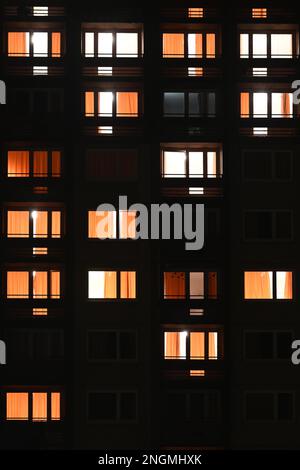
<point x="40" y="284"/>
<point x="17" y="284"/>
<point x="258" y="285"/>
<point x="105" y="103"/>
<point x="127" y="406"/>
<point x="197" y="104"/>
<point x="127" y="44"/>
<point x="260" y="105"/>
<point x="18" y="44"/>
<point x="260" y="406"/>
<point x="17" y="163"/>
<point x="197" y="345"/>
<point x="127" y="345"/>
<point x="127" y="104"/>
<point x="17" y="406"/>
<point x="55" y="284"/>
<point x="175" y="344"/>
<point x="102" y="345"/>
<point x="105" y="43"/>
<point x="102" y="224"/>
<point x="282" y="105"/>
<point x="173" y="104"/>
<point x="244" y="45"/>
<point x="89" y="44"/>
<point x="102" y="284"/>
<point x="285" y="406"/>
<point x="40" y="224"/>
<point x="282" y="45"/>
<point x="18" y="224"/>
<point x="89" y="103"/>
<point x="174" y="285"/>
<point x="55" y="406"/>
<point x="211" y="164"/>
<point x="212" y="345"/>
<point x="173" y="45"/>
<point x="40" y="163"/>
<point x="102" y="406"/>
<point x="196" y="169"/>
<point x="128" y="284"/>
<point x="56" y="44"/>
<point x="195" y="46"/>
<point x="196" y="285"/>
<point x="259" y="45"/>
<point x="284" y="285"/>
<point x="40" y="44"/>
<point x="39" y="406"/>
<point x="127" y="224"/>
<point x="174" y="164"/>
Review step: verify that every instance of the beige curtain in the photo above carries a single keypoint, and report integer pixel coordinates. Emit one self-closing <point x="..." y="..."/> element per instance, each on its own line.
<point x="56" y="44"/>
<point x="172" y="345"/>
<point x="18" y="44"/>
<point x="40" y="284"/>
<point x="56" y="164"/>
<point x="258" y="285"/>
<point x="39" y="406"/>
<point x="18" y="163"/>
<point x="89" y="103"/>
<point x="17" y="284"/>
<point x="173" y="45"/>
<point x="40" y="224"/>
<point x="55" y="224"/>
<point x="18" y="224"/>
<point x="245" y="104"/>
<point x="40" y="163"/>
<point x="128" y="284"/>
<point x="17" y="406"/>
<point x="210" y="45"/>
<point x="197" y="345"/>
<point x="174" y="285"/>
<point x="212" y="345"/>
<point x="110" y="285"/>
<point x="127" y="104"/>
<point x="127" y="224"/>
<point x="55" y="406"/>
<point x="55" y="284"/>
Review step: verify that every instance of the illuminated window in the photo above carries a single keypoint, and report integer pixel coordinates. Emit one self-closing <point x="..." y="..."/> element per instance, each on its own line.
<point x="36" y="224"/>
<point x="40" y="11"/>
<point x="192" y="164"/>
<point x="112" y="284"/>
<point x="180" y="45"/>
<point x="108" y="104"/>
<point x="195" y="345"/>
<point x="107" y="44"/>
<point x="201" y="285"/>
<point x="104" y="224"/>
<point x="44" y="44"/>
<point x="37" y="164"/>
<point x="18" y="409"/>
<point x="259" y="12"/>
<point x="197" y="373"/>
<point x="256" y="105"/>
<point x="38" y="70"/>
<point x="43" y="284"/>
<point x="195" y="71"/>
<point x="195" y="13"/>
<point x="263" y="45"/>
<point x="268" y="285"/>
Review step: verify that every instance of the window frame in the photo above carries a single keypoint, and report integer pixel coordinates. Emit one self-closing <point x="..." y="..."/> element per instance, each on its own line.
<point x="118" y="297"/>
<point x="30" y="293"/>
<point x="274" y="284"/>
<point x="31" y="175"/>
<point x="114" y="114"/>
<point x="187" y="285"/>
<point x="188" y="358"/>
<point x="49" y="29"/>
<point x="269" y="114"/>
<point x="30" y="235"/>
<point x="30" y="391"/>
<point x="186" y="114"/>
<point x="268" y="33"/>
<point x="203" y="32"/>
<point x="113" y="31"/>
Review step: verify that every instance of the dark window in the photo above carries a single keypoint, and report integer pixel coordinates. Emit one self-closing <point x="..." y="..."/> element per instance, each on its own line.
<point x="268" y="225"/>
<point x="102" y="345"/>
<point x="111" y="164"/>
<point x="174" y="104"/>
<point x="270" y="406"/>
<point x="259" y="345"/>
<point x="127" y="345"/>
<point x="127" y="406"/>
<point x="283" y="168"/>
<point x="283" y="345"/>
<point x="267" y="165"/>
<point x="102" y="406"/>
<point x="285" y="406"/>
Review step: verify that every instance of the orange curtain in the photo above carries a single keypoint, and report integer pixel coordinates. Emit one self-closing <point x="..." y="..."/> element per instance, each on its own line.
<point x="40" y="163"/>
<point x="17" y="163"/>
<point x="102" y="224"/>
<point x="17" y="406"/>
<point x="128" y="284"/>
<point x="110" y="285"/>
<point x="286" y="105"/>
<point x="40" y="224"/>
<point x="212" y="285"/>
<point x="245" y="105"/>
<point x="127" y="224"/>
<point x="258" y="285"/>
<point x="212" y="345"/>
<point x="17" y="284"/>
<point x="173" y="45"/>
<point x="40" y="284"/>
<point x="18" y="44"/>
<point x="55" y="284"/>
<point x="55" y="224"/>
<point x="39" y="406"/>
<point x="56" y="44"/>
<point x="174" y="285"/>
<point x="56" y="164"/>
<point x="127" y="104"/>
<point x="172" y="345"/>
<point x="211" y="45"/>
<point x="288" y="286"/>
<point x="197" y="345"/>
<point x="18" y="224"/>
<point x="55" y="406"/>
<point x="89" y="103"/>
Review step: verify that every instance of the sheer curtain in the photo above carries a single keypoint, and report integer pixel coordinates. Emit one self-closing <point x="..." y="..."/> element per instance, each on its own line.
<point x="40" y="224"/>
<point x="55" y="224"/>
<point x="174" y="285"/>
<point x="245" y="104"/>
<point x="258" y="285"/>
<point x="110" y="285"/>
<point x="56" y="44"/>
<point x="17" y="284"/>
<point x="17" y="163"/>
<point x="56" y="163"/>
<point x="55" y="406"/>
<point x="40" y="284"/>
<point x="18" y="44"/>
<point x="55" y="284"/>
<point x="128" y="284"/>
<point x="40" y="163"/>
<point x="212" y="345"/>
<point x="210" y="45"/>
<point x="197" y="345"/>
<point x="127" y="104"/>
<point x="175" y="345"/>
<point x="173" y="45"/>
<point x="18" y="224"/>
<point x="17" y="406"/>
<point x="39" y="406"/>
<point x="212" y="285"/>
<point x="89" y="103"/>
